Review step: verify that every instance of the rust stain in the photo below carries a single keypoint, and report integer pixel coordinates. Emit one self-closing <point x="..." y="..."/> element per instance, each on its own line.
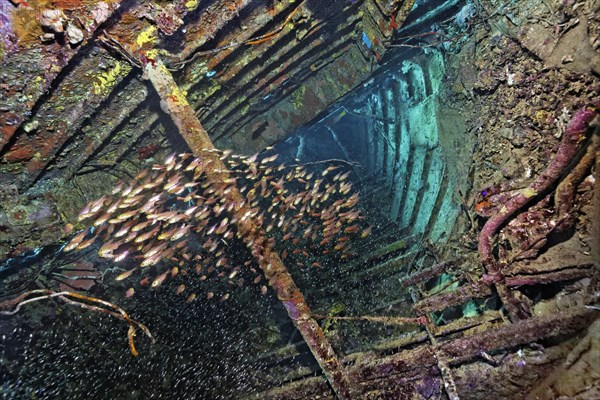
<point x="19" y="154"/>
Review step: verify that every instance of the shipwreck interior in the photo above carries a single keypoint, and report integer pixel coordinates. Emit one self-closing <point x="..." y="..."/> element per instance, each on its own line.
<point x="299" y="199"/>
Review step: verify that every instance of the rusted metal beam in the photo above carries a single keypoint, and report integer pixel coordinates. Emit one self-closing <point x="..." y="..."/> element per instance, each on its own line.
<point x="258" y="81"/>
<point x="260" y="17"/>
<point x="251" y="233"/>
<point x="566" y="274"/>
<point x="469" y="347"/>
<point x="241" y="71"/>
<point x="453" y="298"/>
<point x="371" y="373"/>
<point x="565" y="323"/>
<point x="320" y="99"/>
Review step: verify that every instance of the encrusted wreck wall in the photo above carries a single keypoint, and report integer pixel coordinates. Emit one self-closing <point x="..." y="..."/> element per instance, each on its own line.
<point x="465" y="111"/>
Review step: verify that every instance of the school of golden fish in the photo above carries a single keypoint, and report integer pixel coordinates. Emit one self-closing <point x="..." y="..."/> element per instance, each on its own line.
<point x="173" y="221"/>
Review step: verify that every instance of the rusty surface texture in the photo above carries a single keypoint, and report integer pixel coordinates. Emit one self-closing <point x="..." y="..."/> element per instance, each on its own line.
<point x="74" y="104"/>
<point x="93" y="92"/>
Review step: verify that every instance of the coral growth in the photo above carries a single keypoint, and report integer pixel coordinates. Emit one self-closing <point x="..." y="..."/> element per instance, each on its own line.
<point x="572" y="141"/>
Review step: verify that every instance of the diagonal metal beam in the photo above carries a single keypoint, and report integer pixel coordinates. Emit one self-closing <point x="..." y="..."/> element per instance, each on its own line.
<point x="252" y="234"/>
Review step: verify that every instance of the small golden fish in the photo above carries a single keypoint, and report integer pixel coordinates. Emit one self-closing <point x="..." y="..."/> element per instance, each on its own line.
<point x="191" y="298"/>
<point x="130" y="237"/>
<point x="102" y="219"/>
<point x="177" y="218"/>
<point x="159" y="279"/>
<point x="351" y="229"/>
<point x="222" y="226"/>
<point x="109" y="246"/>
<point x="168" y="234"/>
<point x="146" y="236"/>
<point x="162" y="216"/>
<point x="210" y="295"/>
<point x="211" y="229"/>
<point x="251" y="159"/>
<point x="170" y="158"/>
<point x="192" y="165"/>
<point x="130" y="292"/>
<point x="325" y="241"/>
<point x="346" y="189"/>
<point x="269" y="159"/>
<point x="119" y="185"/>
<point x="125" y="274"/>
<point x="328" y="170"/>
<point x="141" y="175"/>
<point x="171" y="183"/>
<point x="84" y="214"/>
<point x="152" y="184"/>
<point x="121" y="256"/>
<point x="351" y="202"/>
<point x="225" y="297"/>
<point x="340" y="246"/>
<point x="127" y="190"/>
<point x="85" y="244"/>
<point x="263" y="289"/>
<point x="366" y="232"/>
<point x="106" y="251"/>
<point x="180" y="289"/>
<point x="140" y="226"/>
<point x="126" y="215"/>
<point x="155" y="250"/>
<point x="182" y="231"/>
<point x="114" y="206"/>
<point x="220" y="262"/>
<point x="136" y="191"/>
<point x="75" y="241"/>
<point x="97" y="205"/>
<point x="155" y="259"/>
<point x="190" y="210"/>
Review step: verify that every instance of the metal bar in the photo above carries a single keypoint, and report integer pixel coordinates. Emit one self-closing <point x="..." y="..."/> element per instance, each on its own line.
<point x="269" y="261"/>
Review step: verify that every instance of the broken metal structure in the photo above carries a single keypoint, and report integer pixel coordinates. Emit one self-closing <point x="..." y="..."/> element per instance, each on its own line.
<point x="244" y="74"/>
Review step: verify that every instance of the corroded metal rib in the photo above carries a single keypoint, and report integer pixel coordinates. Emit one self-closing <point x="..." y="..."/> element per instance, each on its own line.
<point x="303" y="64"/>
<point x="252" y="234"/>
<point x="260" y="82"/>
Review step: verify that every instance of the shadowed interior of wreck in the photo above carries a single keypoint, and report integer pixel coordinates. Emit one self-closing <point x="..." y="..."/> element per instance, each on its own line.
<point x="466" y="268"/>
